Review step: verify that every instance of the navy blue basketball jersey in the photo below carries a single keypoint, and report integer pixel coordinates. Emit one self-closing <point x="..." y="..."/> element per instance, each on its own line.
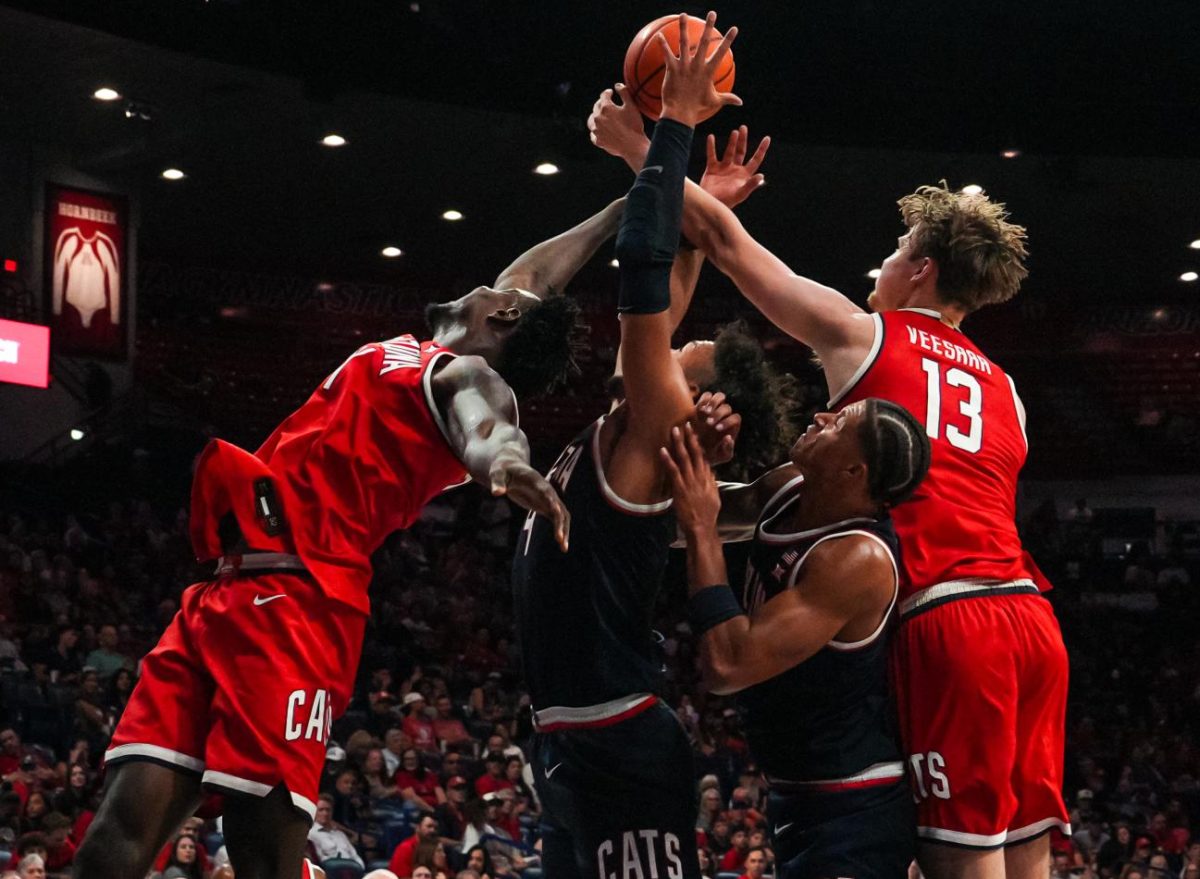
<point x="830" y="717"/>
<point x="584" y="616"/>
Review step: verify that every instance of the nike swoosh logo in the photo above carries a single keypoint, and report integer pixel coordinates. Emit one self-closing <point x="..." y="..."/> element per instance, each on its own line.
<point x="552" y="770"/>
<point x="260" y="600"/>
<point x="657" y="169"/>
<point x="779" y="828"/>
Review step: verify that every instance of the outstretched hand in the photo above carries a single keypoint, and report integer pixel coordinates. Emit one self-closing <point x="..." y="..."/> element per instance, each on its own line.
<point x="526" y="487"/>
<point x="697" y="500"/>
<point x="731" y="178"/>
<point x="618" y="128"/>
<point x="689" y="95"/>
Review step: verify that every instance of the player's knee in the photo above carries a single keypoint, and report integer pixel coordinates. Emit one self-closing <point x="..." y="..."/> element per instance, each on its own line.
<point x="112" y="847"/>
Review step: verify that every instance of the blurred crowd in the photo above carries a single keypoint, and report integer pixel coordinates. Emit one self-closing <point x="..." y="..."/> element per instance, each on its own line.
<point x="427" y="777"/>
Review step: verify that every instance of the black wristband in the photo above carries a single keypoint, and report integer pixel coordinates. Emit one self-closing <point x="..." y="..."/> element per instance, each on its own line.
<point x="710" y="607"/>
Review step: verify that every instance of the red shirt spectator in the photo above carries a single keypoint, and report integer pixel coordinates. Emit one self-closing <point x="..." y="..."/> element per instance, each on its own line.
<point x="424" y="783"/>
<point x="402" y="858"/>
<point x="732" y="860"/>
<point x="447" y="728"/>
<point x="417" y="725"/>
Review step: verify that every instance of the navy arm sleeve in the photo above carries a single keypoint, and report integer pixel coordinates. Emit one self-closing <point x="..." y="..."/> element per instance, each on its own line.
<point x="649" y="232"/>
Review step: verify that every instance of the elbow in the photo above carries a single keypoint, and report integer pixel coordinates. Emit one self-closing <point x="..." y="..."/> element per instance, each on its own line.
<point x="719" y="678"/>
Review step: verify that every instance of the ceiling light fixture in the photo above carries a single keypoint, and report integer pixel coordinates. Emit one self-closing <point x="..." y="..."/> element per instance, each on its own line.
<point x="333" y="140"/>
<point x="1011" y="154"/>
<point x="546" y="169"/>
<point x="1189" y="277"/>
<point x="874" y="273"/>
<point x="452" y="215"/>
<point x="1195" y="245"/>
<point x="614" y="263"/>
<point x="392" y="252"/>
<point x="972" y="189"/>
<point x="106" y="94"/>
<point x="173" y="174"/>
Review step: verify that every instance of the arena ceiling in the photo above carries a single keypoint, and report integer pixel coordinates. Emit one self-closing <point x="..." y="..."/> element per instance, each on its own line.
<point x="450" y="103"/>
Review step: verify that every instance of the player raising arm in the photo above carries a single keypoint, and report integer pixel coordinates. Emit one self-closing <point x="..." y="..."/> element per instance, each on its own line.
<point x="981" y="669"/>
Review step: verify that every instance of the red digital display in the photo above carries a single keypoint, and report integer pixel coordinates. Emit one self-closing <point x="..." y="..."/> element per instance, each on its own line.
<point x="24" y="354"/>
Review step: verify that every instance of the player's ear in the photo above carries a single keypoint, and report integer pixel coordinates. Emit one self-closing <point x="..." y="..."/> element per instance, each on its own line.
<point x="927" y="270"/>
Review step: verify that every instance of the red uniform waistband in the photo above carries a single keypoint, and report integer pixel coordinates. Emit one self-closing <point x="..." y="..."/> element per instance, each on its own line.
<point x="934" y="596"/>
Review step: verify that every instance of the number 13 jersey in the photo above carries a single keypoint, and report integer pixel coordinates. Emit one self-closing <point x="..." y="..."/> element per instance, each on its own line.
<point x="960" y="524"/>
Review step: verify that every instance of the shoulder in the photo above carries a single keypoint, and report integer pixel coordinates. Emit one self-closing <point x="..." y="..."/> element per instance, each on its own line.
<point x="854" y="560"/>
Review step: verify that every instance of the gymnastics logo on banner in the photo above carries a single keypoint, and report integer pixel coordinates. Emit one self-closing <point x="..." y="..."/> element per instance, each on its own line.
<point x="86" y="265"/>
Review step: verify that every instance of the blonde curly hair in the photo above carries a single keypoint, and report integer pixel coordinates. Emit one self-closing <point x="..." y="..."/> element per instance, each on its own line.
<point x="980" y="255"/>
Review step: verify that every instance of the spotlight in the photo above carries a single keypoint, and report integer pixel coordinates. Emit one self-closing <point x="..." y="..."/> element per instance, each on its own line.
<point x="106" y="94"/>
<point x="173" y="174"/>
<point x="333" y="140"/>
<point x="972" y="189"/>
<point x="546" y="169"/>
<point x="874" y="273"/>
<point x="1188" y="277"/>
<point x="613" y="263"/>
<point x="1011" y="154"/>
<point x="76" y="434"/>
<point x="392" y="252"/>
<point x="452" y="215"/>
<point x="1195" y="245"/>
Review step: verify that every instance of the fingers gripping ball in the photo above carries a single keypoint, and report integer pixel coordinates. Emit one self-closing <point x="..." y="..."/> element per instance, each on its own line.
<point x="644" y="65"/>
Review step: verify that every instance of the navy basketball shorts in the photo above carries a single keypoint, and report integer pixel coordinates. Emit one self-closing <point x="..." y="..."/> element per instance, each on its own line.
<point x="618" y="800"/>
<point x="856" y="834"/>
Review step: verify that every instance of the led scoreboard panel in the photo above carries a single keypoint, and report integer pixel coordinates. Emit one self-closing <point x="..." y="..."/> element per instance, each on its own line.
<point x="24" y="354"/>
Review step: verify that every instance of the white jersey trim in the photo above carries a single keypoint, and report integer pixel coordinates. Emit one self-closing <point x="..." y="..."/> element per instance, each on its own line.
<point x="856" y="645"/>
<point x="994" y="840"/>
<point x="589" y="713"/>
<point x="259" y="561"/>
<point x="257" y="789"/>
<point x="427" y="386"/>
<point x="783" y="489"/>
<point x="868" y="362"/>
<point x="155" y="752"/>
<point x="1038" y="827"/>
<point x="875" y="772"/>
<point x="768" y="537"/>
<point x="957" y="587"/>
<point x="1020" y="408"/>
<point x="613" y="498"/>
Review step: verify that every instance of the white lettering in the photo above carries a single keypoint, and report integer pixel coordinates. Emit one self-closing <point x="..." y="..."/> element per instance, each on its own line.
<point x="631" y="864"/>
<point x="674" y="864"/>
<point x="402" y="353"/>
<point x="8" y="350"/>
<point x="940" y="784"/>
<point x="606" y="848"/>
<point x="80" y="212"/>
<point x="649" y="836"/>
<point x="316" y="718"/>
<point x="294" y="729"/>
<point x="949" y="350"/>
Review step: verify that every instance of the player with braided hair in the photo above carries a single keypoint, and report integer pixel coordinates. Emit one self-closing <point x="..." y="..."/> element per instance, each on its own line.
<point x="806" y="645"/>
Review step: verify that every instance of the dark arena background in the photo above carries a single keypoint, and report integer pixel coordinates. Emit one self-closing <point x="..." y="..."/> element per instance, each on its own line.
<point x="262" y="187"/>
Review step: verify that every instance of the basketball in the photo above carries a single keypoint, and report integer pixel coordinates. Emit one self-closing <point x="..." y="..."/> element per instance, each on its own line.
<point x="644" y="66"/>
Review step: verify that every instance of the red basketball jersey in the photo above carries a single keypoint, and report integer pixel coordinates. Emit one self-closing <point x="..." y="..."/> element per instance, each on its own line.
<point x="356" y="462"/>
<point x="960" y="524"/>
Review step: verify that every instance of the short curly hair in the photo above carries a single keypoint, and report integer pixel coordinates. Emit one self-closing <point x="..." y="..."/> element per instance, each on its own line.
<point x="979" y="254"/>
<point x="540" y="353"/>
<point x="768" y="401"/>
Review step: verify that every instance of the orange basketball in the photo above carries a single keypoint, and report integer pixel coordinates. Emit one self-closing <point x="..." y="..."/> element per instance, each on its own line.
<point x="644" y="67"/>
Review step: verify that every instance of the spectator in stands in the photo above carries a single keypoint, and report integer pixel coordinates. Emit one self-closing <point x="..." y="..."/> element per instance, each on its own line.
<point x="417" y="725"/>
<point x="91" y="720"/>
<point x="402" y="860"/>
<point x="31" y="867"/>
<point x="524" y="801"/>
<point x="380" y="786"/>
<point x="451" y="815"/>
<point x="183" y="863"/>
<point x="106" y="659"/>
<point x="1117" y="850"/>
<point x="732" y="860"/>
<point x="448" y="729"/>
<point x="467" y="874"/>
<point x="350" y="804"/>
<point x="453" y="764"/>
<point x="76" y="796"/>
<point x="710" y="808"/>
<point x="704" y="856"/>
<point x="34" y="815"/>
<point x="395" y="743"/>
<point x="63" y="659"/>
<point x="480" y="862"/>
<point x="329" y="840"/>
<point x="417" y="784"/>
<point x="481" y="820"/>
<point x="422" y="872"/>
<point x="430" y="854"/>
<point x="60" y="851"/>
<point x="755" y="864"/>
<point x="493" y="779"/>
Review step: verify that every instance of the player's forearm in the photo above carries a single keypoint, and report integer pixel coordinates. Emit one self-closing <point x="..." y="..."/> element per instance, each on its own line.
<point x="494" y="444"/>
<point x="685" y="273"/>
<point x="713" y="610"/>
<point x="548" y="267"/>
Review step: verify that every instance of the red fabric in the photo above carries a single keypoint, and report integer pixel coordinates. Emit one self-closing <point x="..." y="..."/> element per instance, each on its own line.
<point x="9" y="764"/>
<point x="981" y="687"/>
<point x="420" y="730"/>
<point x="960" y="523"/>
<point x="248" y="690"/>
<point x="81" y="825"/>
<point x="402" y="857"/>
<point x="425" y="787"/>
<point x="451" y="730"/>
<point x="60" y="858"/>
<point x="732" y="860"/>
<point x="358" y="461"/>
<point x="487" y="784"/>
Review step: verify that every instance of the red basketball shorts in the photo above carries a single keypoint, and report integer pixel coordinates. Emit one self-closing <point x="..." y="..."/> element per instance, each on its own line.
<point x="244" y="685"/>
<point x="981" y="687"/>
